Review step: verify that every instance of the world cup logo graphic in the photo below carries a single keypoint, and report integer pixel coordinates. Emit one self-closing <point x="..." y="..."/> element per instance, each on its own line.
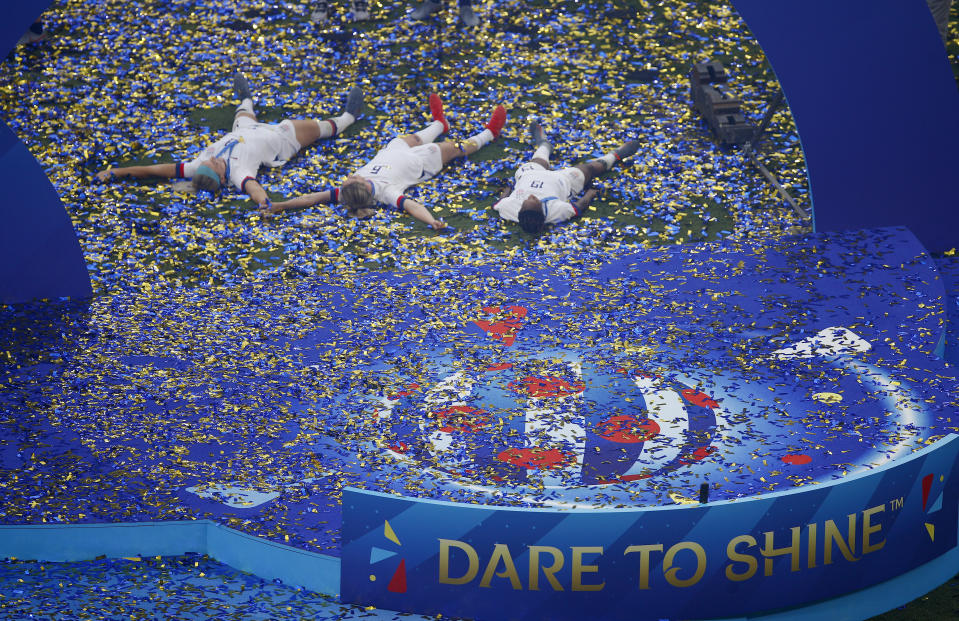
<point x="551" y="424"/>
<point x="553" y="420"/>
<point x="546" y="421"/>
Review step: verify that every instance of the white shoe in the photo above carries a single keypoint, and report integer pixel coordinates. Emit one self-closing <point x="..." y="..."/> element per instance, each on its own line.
<point x="321" y="13"/>
<point x="426" y="9"/>
<point x="468" y="16"/>
<point x="361" y="10"/>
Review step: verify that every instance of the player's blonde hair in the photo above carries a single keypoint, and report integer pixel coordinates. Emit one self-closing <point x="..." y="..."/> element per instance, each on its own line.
<point x="357" y="197"/>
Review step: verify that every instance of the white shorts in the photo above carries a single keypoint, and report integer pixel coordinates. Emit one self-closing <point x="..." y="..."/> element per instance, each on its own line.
<point x="288" y="145"/>
<point x="573" y="176"/>
<point x="429" y="156"/>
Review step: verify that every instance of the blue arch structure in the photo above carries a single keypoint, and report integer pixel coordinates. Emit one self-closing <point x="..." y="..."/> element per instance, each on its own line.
<point x="877" y="109"/>
<point x="40" y="256"/>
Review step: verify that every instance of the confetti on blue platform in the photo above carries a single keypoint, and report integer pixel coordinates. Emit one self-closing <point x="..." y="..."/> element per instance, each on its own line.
<point x="179" y="587"/>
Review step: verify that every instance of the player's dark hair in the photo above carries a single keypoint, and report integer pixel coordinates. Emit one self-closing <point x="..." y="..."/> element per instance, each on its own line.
<point x="357" y="198"/>
<point x="532" y="220"/>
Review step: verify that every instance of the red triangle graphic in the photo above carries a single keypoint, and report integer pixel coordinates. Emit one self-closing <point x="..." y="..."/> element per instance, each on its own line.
<point x="398" y="581"/>
<point x="926" y="486"/>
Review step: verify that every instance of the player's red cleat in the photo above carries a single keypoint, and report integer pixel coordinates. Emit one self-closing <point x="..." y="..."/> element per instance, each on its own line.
<point x="436" y="109"/>
<point x="497" y="121"/>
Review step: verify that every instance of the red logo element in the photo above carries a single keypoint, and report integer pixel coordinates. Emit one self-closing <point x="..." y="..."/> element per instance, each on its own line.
<point x="698" y="398"/>
<point x="399" y="447"/>
<point x="502" y="366"/>
<point x="535" y="457"/>
<point x="703" y="452"/>
<point x="398" y="581"/>
<point x="626" y="478"/>
<point x="503" y="329"/>
<point x="462" y="418"/>
<point x="698" y="455"/>
<point x="796" y="460"/>
<point x="411" y="389"/>
<point x="548" y="387"/>
<point x="926" y="487"/>
<point x="627" y="429"/>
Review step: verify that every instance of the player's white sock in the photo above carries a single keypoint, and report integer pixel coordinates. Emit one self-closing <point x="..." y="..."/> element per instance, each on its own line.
<point x="431" y="132"/>
<point x="330" y="127"/>
<point x="246" y="106"/>
<point x="343" y="121"/>
<point x="481" y="139"/>
<point x="542" y="151"/>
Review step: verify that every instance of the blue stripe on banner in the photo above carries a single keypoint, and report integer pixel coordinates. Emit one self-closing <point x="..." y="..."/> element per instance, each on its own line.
<point x="730" y="558"/>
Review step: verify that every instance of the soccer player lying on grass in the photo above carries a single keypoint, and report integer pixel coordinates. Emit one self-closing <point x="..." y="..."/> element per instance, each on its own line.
<point x="237" y="156"/>
<point x="403" y="162"/>
<point x="541" y="196"/>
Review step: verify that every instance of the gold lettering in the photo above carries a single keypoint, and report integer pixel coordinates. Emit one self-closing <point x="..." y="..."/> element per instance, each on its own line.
<point x="832" y="535"/>
<point x="769" y="550"/>
<point x="671" y="571"/>
<point x="751" y="563"/>
<point x="445" y="545"/>
<point x="811" y="550"/>
<point x="549" y="572"/>
<point x="501" y="552"/>
<point x="868" y="529"/>
<point x="644" y="552"/>
<point x="579" y="568"/>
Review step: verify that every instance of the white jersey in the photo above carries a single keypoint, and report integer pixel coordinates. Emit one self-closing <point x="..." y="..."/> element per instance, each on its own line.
<point x="397" y="166"/>
<point x="554" y="189"/>
<point x="246" y="148"/>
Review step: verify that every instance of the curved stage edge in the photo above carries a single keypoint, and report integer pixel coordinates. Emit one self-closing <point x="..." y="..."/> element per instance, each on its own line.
<point x="917" y="546"/>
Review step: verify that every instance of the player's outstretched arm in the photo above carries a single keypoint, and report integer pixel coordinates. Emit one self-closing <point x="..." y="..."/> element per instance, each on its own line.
<point x="422" y="214"/>
<point x="256" y="193"/>
<point x="167" y="171"/>
<point x="584" y="201"/>
<point x="300" y="202"/>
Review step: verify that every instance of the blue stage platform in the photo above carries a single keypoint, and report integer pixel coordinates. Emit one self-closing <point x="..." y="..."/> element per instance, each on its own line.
<point x="772" y="374"/>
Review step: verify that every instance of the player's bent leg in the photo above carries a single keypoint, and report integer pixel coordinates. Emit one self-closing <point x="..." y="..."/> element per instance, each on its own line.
<point x="309" y="131"/>
<point x="590" y="169"/>
<point x="243" y="118"/>
<point x="450" y="150"/>
<point x="241" y="89"/>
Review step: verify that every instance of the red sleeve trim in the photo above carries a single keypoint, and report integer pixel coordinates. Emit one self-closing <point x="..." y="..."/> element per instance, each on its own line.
<point x="179" y="171"/>
<point x="400" y="201"/>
